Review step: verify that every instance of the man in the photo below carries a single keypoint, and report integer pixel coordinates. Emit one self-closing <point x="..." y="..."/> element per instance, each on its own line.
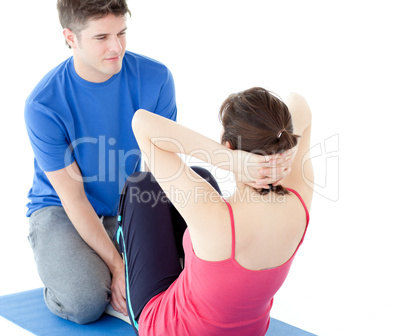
<point x="78" y="120"/>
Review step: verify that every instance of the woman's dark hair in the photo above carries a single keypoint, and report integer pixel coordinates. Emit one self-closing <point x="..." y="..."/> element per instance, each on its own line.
<point x="75" y="14"/>
<point x="257" y="121"/>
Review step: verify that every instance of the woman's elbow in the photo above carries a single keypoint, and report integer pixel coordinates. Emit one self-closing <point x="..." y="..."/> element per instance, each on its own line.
<point x="138" y="120"/>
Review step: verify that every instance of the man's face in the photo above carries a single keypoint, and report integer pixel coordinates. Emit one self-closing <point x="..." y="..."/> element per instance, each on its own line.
<point x="99" y="48"/>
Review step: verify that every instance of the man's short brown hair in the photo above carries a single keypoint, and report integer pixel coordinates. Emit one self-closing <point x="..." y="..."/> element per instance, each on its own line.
<point x="75" y="14"/>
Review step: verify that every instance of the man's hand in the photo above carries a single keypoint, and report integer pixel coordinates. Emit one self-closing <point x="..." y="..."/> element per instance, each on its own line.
<point x="118" y="287"/>
<point x="68" y="183"/>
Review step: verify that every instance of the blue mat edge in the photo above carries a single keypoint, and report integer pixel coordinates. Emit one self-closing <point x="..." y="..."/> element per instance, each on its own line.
<point x="34" y="315"/>
<point x="106" y="323"/>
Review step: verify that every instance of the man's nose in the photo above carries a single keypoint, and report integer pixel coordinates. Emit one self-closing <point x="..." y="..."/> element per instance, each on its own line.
<point x="115" y="45"/>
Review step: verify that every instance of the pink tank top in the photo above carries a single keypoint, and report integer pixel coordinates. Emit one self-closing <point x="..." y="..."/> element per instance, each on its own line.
<point x="215" y="298"/>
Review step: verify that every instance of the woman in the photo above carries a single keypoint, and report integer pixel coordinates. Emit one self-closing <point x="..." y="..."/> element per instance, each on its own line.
<point x="237" y="251"/>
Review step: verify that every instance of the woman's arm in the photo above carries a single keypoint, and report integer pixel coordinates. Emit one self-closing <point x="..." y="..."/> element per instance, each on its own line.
<point x="172" y="137"/>
<point x="301" y="176"/>
<point x="161" y="139"/>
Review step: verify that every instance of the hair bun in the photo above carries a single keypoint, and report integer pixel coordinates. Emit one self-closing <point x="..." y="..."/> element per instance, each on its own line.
<point x="280" y="133"/>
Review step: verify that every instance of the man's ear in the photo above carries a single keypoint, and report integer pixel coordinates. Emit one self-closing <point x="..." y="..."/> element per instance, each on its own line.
<point x="71" y="38"/>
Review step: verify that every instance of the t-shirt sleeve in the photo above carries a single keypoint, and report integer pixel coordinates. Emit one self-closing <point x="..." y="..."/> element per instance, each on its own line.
<point x="48" y="137"/>
<point x="166" y="105"/>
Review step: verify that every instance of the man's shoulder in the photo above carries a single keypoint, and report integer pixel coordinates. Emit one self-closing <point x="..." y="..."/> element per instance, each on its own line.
<point x="51" y="81"/>
<point x="134" y="57"/>
<point x="144" y="62"/>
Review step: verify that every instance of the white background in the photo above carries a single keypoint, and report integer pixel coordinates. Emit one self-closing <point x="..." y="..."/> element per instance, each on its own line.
<point x="343" y="56"/>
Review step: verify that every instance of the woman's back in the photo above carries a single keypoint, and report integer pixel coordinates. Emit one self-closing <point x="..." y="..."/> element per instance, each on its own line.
<point x="268" y="232"/>
<point x="218" y="297"/>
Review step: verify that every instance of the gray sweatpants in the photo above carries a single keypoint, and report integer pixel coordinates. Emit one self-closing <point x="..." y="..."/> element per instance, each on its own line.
<point x="76" y="280"/>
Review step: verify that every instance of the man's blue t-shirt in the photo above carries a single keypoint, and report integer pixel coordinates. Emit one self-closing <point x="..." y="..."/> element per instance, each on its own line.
<point x="70" y="119"/>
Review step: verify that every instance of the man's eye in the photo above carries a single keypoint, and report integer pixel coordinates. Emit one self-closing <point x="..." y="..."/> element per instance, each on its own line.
<point x="100" y="38"/>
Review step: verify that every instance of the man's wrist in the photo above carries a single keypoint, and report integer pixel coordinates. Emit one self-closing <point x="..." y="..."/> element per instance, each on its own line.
<point x="118" y="265"/>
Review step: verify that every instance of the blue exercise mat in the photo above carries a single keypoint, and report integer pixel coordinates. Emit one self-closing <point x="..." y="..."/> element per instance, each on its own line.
<point x="28" y="310"/>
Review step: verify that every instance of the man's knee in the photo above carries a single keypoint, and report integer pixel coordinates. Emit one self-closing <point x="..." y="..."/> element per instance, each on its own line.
<point x="79" y="307"/>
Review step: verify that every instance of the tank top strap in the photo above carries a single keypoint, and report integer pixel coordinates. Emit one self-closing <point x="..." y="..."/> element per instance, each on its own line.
<point x="302" y="202"/>
<point x="233" y="229"/>
<point x="307" y="214"/>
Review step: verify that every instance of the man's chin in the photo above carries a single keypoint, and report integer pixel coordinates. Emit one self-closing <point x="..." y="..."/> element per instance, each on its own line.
<point x="113" y="70"/>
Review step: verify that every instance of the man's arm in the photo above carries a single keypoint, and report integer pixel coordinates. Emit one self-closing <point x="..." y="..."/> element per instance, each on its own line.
<point x="69" y="186"/>
<point x="166" y="105"/>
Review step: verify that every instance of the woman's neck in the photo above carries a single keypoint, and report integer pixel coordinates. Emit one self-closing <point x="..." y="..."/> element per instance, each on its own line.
<point x="246" y="195"/>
